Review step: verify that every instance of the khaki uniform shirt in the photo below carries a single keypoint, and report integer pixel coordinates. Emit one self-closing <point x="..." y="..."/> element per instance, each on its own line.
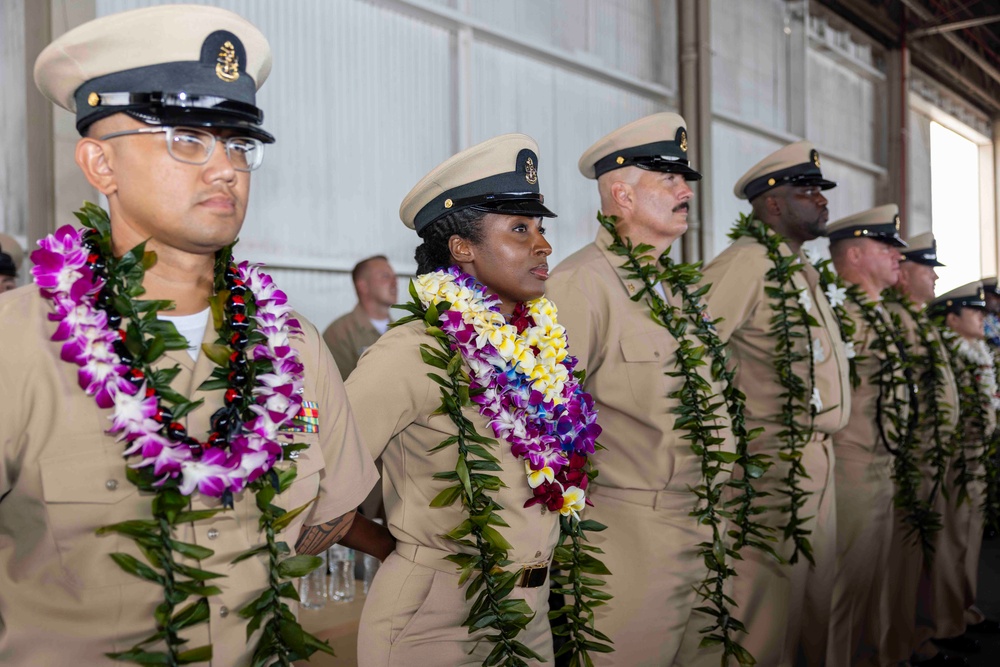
<point x="627" y="356"/>
<point x="393" y="400"/>
<point x="737" y="295"/>
<point x="348" y="337"/>
<point x="62" y="599"/>
<point x="861" y="440"/>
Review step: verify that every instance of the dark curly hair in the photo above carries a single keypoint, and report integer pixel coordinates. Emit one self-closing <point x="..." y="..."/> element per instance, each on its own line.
<point x="433" y="253"/>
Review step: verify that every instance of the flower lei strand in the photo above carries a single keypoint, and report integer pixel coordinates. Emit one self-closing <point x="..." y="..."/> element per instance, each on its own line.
<point x="802" y="399"/>
<point x="696" y="414"/>
<point x="837" y="292"/>
<point x="94" y="295"/>
<point x="935" y="412"/>
<point x="521" y="378"/>
<point x="895" y="373"/>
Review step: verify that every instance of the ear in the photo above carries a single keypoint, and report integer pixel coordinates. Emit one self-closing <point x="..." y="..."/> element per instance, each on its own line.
<point x="623" y="195"/>
<point x="92" y="156"/>
<point x="950" y="319"/>
<point x="462" y="250"/>
<point x="772" y="205"/>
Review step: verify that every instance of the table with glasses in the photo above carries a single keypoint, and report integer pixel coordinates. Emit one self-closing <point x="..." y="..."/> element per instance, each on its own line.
<point x="336" y="622"/>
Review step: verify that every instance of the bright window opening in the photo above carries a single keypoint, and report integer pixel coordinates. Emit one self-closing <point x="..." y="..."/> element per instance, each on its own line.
<point x="955" y="207"/>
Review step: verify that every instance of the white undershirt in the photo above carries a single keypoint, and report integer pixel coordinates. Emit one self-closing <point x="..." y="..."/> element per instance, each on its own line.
<point x="192" y="327"/>
<point x="381" y="326"/>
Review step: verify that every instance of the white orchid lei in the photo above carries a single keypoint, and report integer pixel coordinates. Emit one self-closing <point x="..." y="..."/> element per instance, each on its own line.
<point x="521" y="377"/>
<point x="115" y="339"/>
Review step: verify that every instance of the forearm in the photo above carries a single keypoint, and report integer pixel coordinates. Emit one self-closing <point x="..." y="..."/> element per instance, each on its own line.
<point x="314" y="540"/>
<point x="369" y="537"/>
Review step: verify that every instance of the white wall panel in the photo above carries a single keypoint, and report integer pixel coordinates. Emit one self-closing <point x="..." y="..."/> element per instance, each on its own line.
<point x="841" y="109"/>
<point x="629" y="36"/>
<point x="749" y="61"/>
<point x="13" y="175"/>
<point x="918" y="163"/>
<point x="734" y="150"/>
<point x="565" y="113"/>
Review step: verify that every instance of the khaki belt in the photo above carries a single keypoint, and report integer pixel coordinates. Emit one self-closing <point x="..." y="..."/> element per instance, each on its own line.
<point x="532" y="575"/>
<point x="659" y="500"/>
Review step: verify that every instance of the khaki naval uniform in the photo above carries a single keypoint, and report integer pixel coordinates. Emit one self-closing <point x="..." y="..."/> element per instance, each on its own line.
<point x="643" y="494"/>
<point x="415" y="608"/>
<point x="348" y="337"/>
<point x="909" y="596"/>
<point x="956" y="581"/>
<point x="864" y="512"/>
<point x="62" y="599"/>
<point x="784" y="607"/>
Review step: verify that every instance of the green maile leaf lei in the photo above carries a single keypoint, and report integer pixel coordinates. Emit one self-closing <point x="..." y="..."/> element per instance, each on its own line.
<point x="697" y="415"/>
<point x="894" y="376"/>
<point x="931" y="382"/>
<point x="147" y="338"/>
<point x="490" y="583"/>
<point x="798" y="411"/>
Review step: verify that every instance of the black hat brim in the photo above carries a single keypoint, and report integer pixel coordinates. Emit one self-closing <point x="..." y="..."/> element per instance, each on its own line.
<point x="668" y="167"/>
<point x="925" y="262"/>
<point x="529" y="208"/>
<point x="814" y="181"/>
<point x="201" y="118"/>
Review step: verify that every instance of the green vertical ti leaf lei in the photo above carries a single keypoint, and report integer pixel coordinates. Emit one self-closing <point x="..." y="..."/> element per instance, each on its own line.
<point x="935" y="412"/>
<point x="698" y="416"/>
<point x="894" y="377"/>
<point x="790" y="323"/>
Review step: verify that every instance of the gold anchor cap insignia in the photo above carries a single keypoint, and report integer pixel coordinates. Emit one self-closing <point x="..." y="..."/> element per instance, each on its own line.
<point x="684" y="141"/>
<point x="815" y="157"/>
<point x="530" y="171"/>
<point x="227" y="65"/>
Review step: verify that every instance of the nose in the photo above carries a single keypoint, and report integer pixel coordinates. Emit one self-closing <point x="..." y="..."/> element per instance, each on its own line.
<point x="685" y="191"/>
<point x="821" y="200"/>
<point x="542" y="246"/>
<point x="219" y="166"/>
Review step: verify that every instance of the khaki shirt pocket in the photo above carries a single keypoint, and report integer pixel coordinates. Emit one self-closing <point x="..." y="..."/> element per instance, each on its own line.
<point x="645" y="357"/>
<point x="84" y="492"/>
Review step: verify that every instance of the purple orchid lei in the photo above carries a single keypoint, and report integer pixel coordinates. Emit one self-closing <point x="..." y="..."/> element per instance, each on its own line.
<point x="67" y="271"/>
<point x="522" y="380"/>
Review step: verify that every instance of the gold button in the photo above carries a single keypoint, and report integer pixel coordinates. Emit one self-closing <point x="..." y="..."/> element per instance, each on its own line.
<point x="448" y="203"/>
<point x="223" y="611"/>
<point x="111" y="484"/>
<point x="770" y="181"/>
<point x="620" y="160"/>
<point x="213" y="533"/>
<point x="93" y="99"/>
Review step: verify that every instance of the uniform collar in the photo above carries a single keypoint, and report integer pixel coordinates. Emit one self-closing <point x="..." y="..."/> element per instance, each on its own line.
<point x="631" y="286"/>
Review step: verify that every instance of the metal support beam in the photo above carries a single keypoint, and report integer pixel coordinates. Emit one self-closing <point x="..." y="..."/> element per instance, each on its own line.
<point x="955" y="41"/>
<point x="951" y="27"/>
<point x="696" y="107"/>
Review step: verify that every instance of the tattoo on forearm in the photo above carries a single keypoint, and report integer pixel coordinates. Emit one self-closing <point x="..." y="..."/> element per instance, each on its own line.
<point x="315" y="539"/>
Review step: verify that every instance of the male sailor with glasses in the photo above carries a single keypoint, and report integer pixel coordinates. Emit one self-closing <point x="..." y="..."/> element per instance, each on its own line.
<point x="106" y="418"/>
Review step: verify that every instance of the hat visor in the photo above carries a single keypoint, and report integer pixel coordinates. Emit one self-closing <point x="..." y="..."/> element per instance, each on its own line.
<point x="819" y="181"/>
<point x="925" y="262"/>
<point x="666" y="167"/>
<point x="894" y="240"/>
<point x="529" y="208"/>
<point x="202" y="118"/>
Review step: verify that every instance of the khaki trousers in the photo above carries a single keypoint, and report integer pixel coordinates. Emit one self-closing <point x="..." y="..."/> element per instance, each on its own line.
<point x="652" y="554"/>
<point x="956" y="565"/>
<point x="786" y="608"/>
<point x="898" y="624"/>
<point x="414" y="612"/>
<point x="864" y="534"/>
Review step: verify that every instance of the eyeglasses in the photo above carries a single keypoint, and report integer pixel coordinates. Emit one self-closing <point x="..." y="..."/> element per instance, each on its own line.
<point x="192" y="146"/>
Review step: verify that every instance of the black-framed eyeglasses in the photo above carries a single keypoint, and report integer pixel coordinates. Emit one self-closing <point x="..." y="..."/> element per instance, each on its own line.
<point x="193" y="146"/>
